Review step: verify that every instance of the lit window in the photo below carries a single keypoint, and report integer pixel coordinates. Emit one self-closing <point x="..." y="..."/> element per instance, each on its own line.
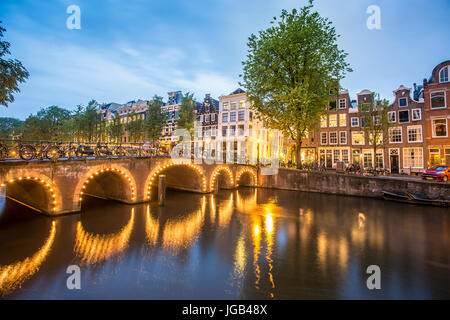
<point x="336" y="156"/>
<point x="443" y="75"/>
<point x="323" y="122"/>
<point x="333" y="120"/>
<point x="437" y="100"/>
<point x="403" y="116"/>
<point x="392" y="116"/>
<point x="342" y="103"/>
<point x="225" y="106"/>
<point x="355" y="122"/>
<point x="439" y="127"/>
<point x="395" y="135"/>
<point x="415" y="134"/>
<point x="333" y="138"/>
<point x="416" y="114"/>
<point x="412" y="158"/>
<point x="342" y="120"/>
<point x="379" y="160"/>
<point x="358" y="137"/>
<point x="242" y="104"/>
<point x="345" y="157"/>
<point x="403" y="102"/>
<point x="367" y="160"/>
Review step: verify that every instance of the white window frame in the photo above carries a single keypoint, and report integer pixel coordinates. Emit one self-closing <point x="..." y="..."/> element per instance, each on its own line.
<point x="409" y="116"/>
<point x="340" y="136"/>
<point x="412" y="114"/>
<point x="337" y="138"/>
<point x="345" y="104"/>
<point x="395" y="116"/>
<point x="401" y="134"/>
<point x="448" y="71"/>
<point x="329" y="120"/>
<point x="364" y="138"/>
<point x="415" y="127"/>
<point x="404" y="105"/>
<point x="445" y="100"/>
<point x="345" y="119"/>
<point x="357" y="122"/>
<point x="322" y="134"/>
<point x="432" y="127"/>
<point x="405" y="158"/>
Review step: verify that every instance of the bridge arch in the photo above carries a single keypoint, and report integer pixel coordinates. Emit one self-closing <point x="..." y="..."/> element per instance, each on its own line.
<point x="35" y="191"/>
<point x="223" y="176"/>
<point x="112" y="182"/>
<point x="246" y="177"/>
<point x="176" y="167"/>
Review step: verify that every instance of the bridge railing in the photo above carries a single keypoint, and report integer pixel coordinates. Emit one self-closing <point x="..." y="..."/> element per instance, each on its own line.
<point x="55" y="150"/>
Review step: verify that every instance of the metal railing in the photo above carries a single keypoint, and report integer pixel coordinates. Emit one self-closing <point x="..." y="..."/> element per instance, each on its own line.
<point x="53" y="150"/>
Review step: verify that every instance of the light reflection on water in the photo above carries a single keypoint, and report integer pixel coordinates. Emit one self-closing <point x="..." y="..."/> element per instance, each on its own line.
<point x="244" y="244"/>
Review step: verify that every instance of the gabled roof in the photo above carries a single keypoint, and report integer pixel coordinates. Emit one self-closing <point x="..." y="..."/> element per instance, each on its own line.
<point x="237" y="91"/>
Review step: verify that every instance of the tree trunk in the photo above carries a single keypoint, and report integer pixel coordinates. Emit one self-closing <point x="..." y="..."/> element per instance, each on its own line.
<point x="299" y="154"/>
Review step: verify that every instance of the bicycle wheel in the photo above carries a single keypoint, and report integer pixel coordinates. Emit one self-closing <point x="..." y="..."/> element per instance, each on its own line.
<point x="52" y="153"/>
<point x="27" y="152"/>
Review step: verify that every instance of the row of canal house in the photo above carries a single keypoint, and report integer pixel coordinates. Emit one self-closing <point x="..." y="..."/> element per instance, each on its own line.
<point x="418" y="135"/>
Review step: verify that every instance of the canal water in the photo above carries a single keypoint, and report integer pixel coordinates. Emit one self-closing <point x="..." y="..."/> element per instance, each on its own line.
<point x="242" y="244"/>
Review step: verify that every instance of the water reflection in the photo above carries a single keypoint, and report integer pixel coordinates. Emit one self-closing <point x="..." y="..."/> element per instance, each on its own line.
<point x="94" y="248"/>
<point x="13" y="275"/>
<point x="249" y="243"/>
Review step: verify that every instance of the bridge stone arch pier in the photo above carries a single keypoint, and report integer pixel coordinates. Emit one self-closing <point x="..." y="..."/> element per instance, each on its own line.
<point x="55" y="188"/>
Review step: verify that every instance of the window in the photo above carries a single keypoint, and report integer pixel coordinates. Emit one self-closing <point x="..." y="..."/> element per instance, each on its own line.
<point x="225" y="106"/>
<point x="342" y="120"/>
<point x="412" y="158"/>
<point x="443" y="75"/>
<point x="358" y="137"/>
<point x="437" y="100"/>
<point x="242" y="104"/>
<point x="392" y="116"/>
<point x="403" y="102"/>
<point x="333" y="120"/>
<point x="343" y="137"/>
<point x="213" y="117"/>
<point x="336" y="156"/>
<point x="376" y="120"/>
<point x="233" y="105"/>
<point x="355" y="122"/>
<point x="439" y="127"/>
<point x="403" y="116"/>
<point x="415" y="134"/>
<point x="241" y="116"/>
<point x="379" y="160"/>
<point x="367" y="160"/>
<point x="332" y="105"/>
<point x="232" y="116"/>
<point x="435" y="157"/>
<point x="363" y="122"/>
<point x="250" y="116"/>
<point x="342" y="103"/>
<point x="240" y="130"/>
<point x="232" y="131"/>
<point x="365" y="107"/>
<point x="207" y="117"/>
<point x="224" y="117"/>
<point x="323" y="122"/>
<point x="323" y="138"/>
<point x="333" y="138"/>
<point x="416" y="114"/>
<point x="345" y="156"/>
<point x="395" y="135"/>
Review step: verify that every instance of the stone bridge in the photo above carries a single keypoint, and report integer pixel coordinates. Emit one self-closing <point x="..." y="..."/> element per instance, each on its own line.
<point x="56" y="188"/>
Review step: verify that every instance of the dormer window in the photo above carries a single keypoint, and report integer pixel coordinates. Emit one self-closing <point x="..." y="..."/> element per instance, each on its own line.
<point x="403" y="102"/>
<point x="443" y="75"/>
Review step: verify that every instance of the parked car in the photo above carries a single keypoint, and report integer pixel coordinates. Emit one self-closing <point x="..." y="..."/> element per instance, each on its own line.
<point x="437" y="173"/>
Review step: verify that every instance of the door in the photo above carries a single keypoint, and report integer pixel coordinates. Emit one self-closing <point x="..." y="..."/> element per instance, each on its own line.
<point x="329" y="159"/>
<point x="394" y="163"/>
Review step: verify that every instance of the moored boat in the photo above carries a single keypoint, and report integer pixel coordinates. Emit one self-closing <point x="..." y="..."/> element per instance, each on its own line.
<point x="396" y="196"/>
<point x="428" y="200"/>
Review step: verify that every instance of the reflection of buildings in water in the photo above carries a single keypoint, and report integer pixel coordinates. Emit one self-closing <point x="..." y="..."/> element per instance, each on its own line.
<point x="240" y="257"/>
<point x="13" y="275"/>
<point x="95" y="248"/>
<point x="246" y="204"/>
<point x="224" y="212"/>
<point x="151" y="228"/>
<point x="179" y="234"/>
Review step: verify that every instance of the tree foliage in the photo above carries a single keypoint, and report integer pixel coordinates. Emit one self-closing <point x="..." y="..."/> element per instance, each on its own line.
<point x="10" y="127"/>
<point x="12" y="72"/>
<point x="47" y="124"/>
<point x="155" y="119"/>
<point x="135" y="127"/>
<point x="290" y="70"/>
<point x="115" y="129"/>
<point x="186" y="113"/>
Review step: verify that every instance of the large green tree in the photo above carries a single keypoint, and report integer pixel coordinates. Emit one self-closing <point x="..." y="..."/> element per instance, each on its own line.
<point x="90" y="120"/>
<point x="135" y="127"/>
<point x="115" y="129"/>
<point x="155" y="119"/>
<point x="290" y="70"/>
<point x="10" y="127"/>
<point x="12" y="72"/>
<point x="376" y="123"/>
<point x="47" y="124"/>
<point x="186" y="113"/>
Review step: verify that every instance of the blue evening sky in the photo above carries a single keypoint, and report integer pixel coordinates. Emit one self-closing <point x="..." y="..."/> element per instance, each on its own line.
<point x="131" y="49"/>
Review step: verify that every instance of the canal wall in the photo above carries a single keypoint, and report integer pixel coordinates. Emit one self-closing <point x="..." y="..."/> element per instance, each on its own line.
<point x="349" y="184"/>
